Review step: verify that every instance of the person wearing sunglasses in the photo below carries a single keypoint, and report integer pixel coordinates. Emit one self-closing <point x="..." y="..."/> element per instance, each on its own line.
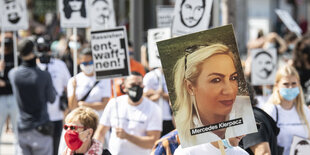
<point x="79" y="127"/>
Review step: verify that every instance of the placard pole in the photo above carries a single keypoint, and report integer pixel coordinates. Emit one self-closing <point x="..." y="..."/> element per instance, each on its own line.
<point x="15" y="49"/>
<point x="115" y="98"/>
<point x="75" y="50"/>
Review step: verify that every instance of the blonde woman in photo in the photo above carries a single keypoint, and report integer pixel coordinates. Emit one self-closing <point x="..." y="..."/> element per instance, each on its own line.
<point x="206" y="87"/>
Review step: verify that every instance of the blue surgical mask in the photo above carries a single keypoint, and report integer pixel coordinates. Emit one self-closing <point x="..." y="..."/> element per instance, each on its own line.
<point x="74" y="45"/>
<point x="289" y="94"/>
<point x="227" y="143"/>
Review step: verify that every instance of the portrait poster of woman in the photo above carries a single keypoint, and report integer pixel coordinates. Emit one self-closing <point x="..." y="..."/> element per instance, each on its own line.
<point x="207" y="89"/>
<point x="74" y="13"/>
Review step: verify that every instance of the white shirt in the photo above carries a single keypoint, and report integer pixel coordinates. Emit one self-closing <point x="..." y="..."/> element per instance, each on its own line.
<point x="85" y="83"/>
<point x="151" y="82"/>
<point x="289" y="124"/>
<point x="241" y="109"/>
<point x="60" y="76"/>
<point x="135" y="120"/>
<point x="209" y="149"/>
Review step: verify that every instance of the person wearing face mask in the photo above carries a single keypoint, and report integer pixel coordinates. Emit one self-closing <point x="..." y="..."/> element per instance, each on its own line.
<point x="287" y="107"/>
<point x="80" y="126"/>
<point x="32" y="89"/>
<point x="135" y="120"/>
<point x="84" y="90"/>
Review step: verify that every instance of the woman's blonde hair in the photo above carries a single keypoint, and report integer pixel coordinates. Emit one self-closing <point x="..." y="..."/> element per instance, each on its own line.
<point x="276" y="98"/>
<point x="86" y="116"/>
<point x="188" y="68"/>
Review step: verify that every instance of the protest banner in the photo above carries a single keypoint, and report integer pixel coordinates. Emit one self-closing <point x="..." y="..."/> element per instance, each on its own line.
<point x="155" y="35"/>
<point x="14" y="14"/>
<point x="289" y="21"/>
<point x="110" y="53"/>
<point x="164" y="16"/>
<point x="263" y="68"/>
<point x="102" y="14"/>
<point x="198" y="67"/>
<point x="300" y="146"/>
<point x="191" y="16"/>
<point x="73" y="13"/>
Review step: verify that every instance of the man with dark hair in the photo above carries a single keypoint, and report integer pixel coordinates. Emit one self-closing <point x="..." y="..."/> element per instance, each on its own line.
<point x="191" y="12"/>
<point x="264" y="63"/>
<point x="12" y="11"/>
<point x="33" y="88"/>
<point x="135" y="121"/>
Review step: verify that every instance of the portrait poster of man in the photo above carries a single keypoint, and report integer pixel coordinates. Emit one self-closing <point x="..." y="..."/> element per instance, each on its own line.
<point x="110" y="53"/>
<point x="14" y="14"/>
<point x="300" y="146"/>
<point x="74" y="13"/>
<point x="263" y="69"/>
<point x="155" y="35"/>
<point x="206" y="84"/>
<point x="102" y="14"/>
<point x="289" y="22"/>
<point x="191" y="16"/>
<point x="164" y="15"/>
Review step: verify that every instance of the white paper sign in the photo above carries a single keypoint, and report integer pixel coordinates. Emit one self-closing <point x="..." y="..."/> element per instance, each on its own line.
<point x="102" y="14"/>
<point x="164" y="16"/>
<point x="110" y="53"/>
<point x="155" y="35"/>
<point x="14" y="13"/>
<point x="191" y="16"/>
<point x="289" y="21"/>
<point x="300" y="146"/>
<point x="74" y="13"/>
<point x="263" y="68"/>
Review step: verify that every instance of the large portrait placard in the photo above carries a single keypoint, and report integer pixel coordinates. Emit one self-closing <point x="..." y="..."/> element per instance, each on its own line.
<point x="207" y="89"/>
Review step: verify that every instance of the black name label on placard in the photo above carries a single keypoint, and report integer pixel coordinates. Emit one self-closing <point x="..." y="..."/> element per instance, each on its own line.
<point x="217" y="126"/>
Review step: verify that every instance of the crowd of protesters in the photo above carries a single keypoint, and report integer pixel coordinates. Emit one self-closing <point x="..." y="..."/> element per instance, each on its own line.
<point x="54" y="112"/>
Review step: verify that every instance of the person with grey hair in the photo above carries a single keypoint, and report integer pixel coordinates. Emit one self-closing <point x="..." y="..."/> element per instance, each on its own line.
<point x="32" y="88"/>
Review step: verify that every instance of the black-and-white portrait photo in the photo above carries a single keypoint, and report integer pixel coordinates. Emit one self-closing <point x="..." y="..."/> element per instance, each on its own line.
<point x="14" y="14"/>
<point x="300" y="146"/>
<point x="263" y="66"/>
<point x="191" y="16"/>
<point x="74" y="13"/>
<point x="191" y="12"/>
<point x="102" y="14"/>
<point x="12" y="11"/>
<point x="74" y="8"/>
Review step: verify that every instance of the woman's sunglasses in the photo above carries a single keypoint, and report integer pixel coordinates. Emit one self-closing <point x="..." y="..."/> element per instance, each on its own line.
<point x="73" y="127"/>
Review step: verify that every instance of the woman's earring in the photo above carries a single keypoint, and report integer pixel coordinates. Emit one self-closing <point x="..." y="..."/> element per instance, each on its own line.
<point x="193" y="100"/>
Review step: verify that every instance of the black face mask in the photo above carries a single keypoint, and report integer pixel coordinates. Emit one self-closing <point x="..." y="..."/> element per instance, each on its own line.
<point x="135" y="93"/>
<point x="45" y="59"/>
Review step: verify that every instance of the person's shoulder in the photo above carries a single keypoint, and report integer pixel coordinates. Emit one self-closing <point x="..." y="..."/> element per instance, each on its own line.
<point x="237" y="151"/>
<point x="59" y="63"/>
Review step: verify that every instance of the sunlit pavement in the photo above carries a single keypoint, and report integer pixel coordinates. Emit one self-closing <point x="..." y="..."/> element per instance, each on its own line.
<point x="6" y="144"/>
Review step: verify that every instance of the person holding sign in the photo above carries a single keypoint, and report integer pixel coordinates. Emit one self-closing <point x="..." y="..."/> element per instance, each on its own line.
<point x="287" y="107"/>
<point x="84" y="90"/>
<point x="135" y="120"/>
<point x="205" y="97"/>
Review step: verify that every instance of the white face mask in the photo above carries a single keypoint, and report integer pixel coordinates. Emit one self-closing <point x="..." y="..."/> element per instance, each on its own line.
<point x="74" y="45"/>
<point x="89" y="69"/>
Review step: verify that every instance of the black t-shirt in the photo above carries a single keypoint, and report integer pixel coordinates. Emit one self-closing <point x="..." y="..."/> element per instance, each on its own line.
<point x="267" y="132"/>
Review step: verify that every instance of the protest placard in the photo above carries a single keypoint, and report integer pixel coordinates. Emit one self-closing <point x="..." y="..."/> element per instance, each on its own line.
<point x="110" y="53"/>
<point x="289" y="21"/>
<point x="14" y="14"/>
<point x="198" y="68"/>
<point x="164" y="15"/>
<point x="74" y="13"/>
<point x="263" y="68"/>
<point x="300" y="146"/>
<point x="155" y="35"/>
<point x="102" y="14"/>
<point x="191" y="16"/>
